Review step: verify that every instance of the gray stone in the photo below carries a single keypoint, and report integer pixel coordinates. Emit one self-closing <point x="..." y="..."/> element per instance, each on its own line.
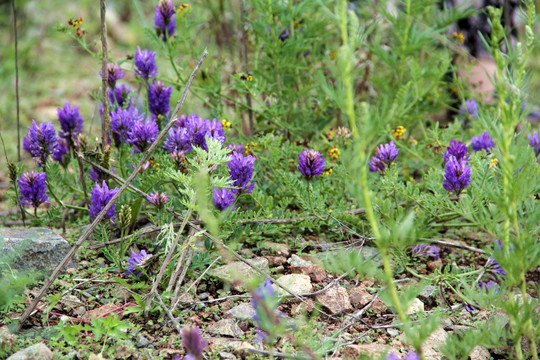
<point x="415" y="306"/>
<point x="480" y="353"/>
<point x="359" y="296"/>
<point x="35" y="352"/>
<point x="243" y="311"/>
<point x="296" y="283"/>
<point x="7" y="339"/>
<point x="393" y="332"/>
<point x="428" y="295"/>
<point x="37" y="249"/>
<point x="225" y="327"/>
<point x="142" y="341"/>
<point x="335" y="299"/>
<point x="226" y="355"/>
<point x="297" y="261"/>
<point x="430" y="348"/>
<point x="239" y="273"/>
<point x="277" y="248"/>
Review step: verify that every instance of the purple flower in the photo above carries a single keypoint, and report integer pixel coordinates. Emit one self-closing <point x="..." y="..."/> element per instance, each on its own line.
<point x="384" y="157"/>
<point x="482" y="142"/>
<point x="145" y="63"/>
<point x="137" y="261"/>
<point x="534" y="142"/>
<point x="457" y="175"/>
<point x="493" y="266"/>
<point x="97" y="175"/>
<point x="193" y="343"/>
<point x="71" y="123"/>
<point x="33" y="187"/>
<point x="265" y="302"/>
<point x="488" y="286"/>
<point x="411" y="355"/>
<point x="241" y="172"/>
<point x="118" y="97"/>
<point x="457" y="150"/>
<point x="142" y="134"/>
<point x="310" y="163"/>
<point x="60" y="152"/>
<point x="470" y="107"/>
<point x="178" y="139"/>
<point x="215" y="131"/>
<point x="392" y="356"/>
<point x="284" y="35"/>
<point x="158" y="199"/>
<point x="158" y="99"/>
<point x="122" y="121"/>
<point x="114" y="73"/>
<point x="431" y="251"/>
<point x="99" y="197"/>
<point x="165" y="19"/>
<point x="40" y="141"/>
<point x="223" y="198"/>
<point x="235" y="148"/>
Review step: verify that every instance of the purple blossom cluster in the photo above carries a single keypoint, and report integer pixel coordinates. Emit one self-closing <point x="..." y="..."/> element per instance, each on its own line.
<point x="145" y="63"/>
<point x="191" y="131"/>
<point x="384" y="157"/>
<point x="99" y="197"/>
<point x="165" y="19"/>
<point x="40" y="141"/>
<point x="457" y="174"/>
<point x="193" y="343"/>
<point x="158" y="199"/>
<point x="431" y="251"/>
<point x="534" y="142"/>
<point x="241" y="172"/>
<point x="137" y="261"/>
<point x="267" y="318"/>
<point x="114" y="73"/>
<point x="469" y="107"/>
<point x="482" y="142"/>
<point x="119" y="97"/>
<point x="142" y="134"/>
<point x="122" y="122"/>
<point x="32" y="188"/>
<point x="159" y="98"/>
<point x="482" y="286"/>
<point x="71" y="123"/>
<point x="223" y="198"/>
<point x="310" y="163"/>
<point x="411" y="355"/>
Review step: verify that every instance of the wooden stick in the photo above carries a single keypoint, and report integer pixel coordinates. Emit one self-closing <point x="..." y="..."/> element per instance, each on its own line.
<point x="101" y="215"/>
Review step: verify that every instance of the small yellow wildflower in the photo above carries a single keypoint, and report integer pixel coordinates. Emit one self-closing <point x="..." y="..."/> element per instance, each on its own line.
<point x="399" y="132"/>
<point x="331" y="134"/>
<point x="183" y="7"/>
<point x="459" y="37"/>
<point x="328" y="172"/>
<point x="225" y="124"/>
<point x="334" y="153"/>
<point x="333" y="55"/>
<point x="413" y="141"/>
<point x="493" y="162"/>
<point x="249" y="78"/>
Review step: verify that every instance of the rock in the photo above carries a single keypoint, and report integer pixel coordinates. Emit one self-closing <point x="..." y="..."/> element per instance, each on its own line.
<point x="247" y="253"/>
<point x="100" y="311"/>
<point x="297" y="261"/>
<point x="96" y="357"/>
<point x="316" y="273"/>
<point x="142" y="341"/>
<point x="393" y="332"/>
<point x="303" y="307"/>
<point x="378" y="306"/>
<point x="359" y="296"/>
<point x="435" y="264"/>
<point x="35" y="352"/>
<point x="186" y="299"/>
<point x="226" y="355"/>
<point x="38" y="249"/>
<point x="415" y="306"/>
<point x="239" y="348"/>
<point x="7" y="339"/>
<point x="277" y="248"/>
<point x="480" y="353"/>
<point x="335" y="299"/>
<point x="243" y="311"/>
<point x="238" y="271"/>
<point x="81" y="310"/>
<point x="355" y="351"/>
<point x="225" y="327"/>
<point x="433" y="342"/>
<point x="296" y="283"/>
<point x="71" y="301"/>
<point x="428" y="295"/>
<point x="276" y="260"/>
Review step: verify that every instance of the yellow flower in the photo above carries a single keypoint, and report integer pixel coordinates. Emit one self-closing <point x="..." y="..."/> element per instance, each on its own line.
<point x="413" y="141"/>
<point x="334" y="152"/>
<point x="225" y="124"/>
<point x="493" y="162"/>
<point x="333" y="55"/>
<point x="328" y="172"/>
<point x="459" y="37"/>
<point x="249" y="78"/>
<point x="399" y="132"/>
<point x="183" y="7"/>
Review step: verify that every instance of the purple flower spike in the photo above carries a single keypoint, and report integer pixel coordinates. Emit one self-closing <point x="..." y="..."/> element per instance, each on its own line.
<point x="469" y="107"/>
<point x="60" y="152"/>
<point x="165" y="19"/>
<point x="457" y="150"/>
<point x="145" y="63"/>
<point x="264" y="302"/>
<point x="193" y="343"/>
<point x="482" y="142"/>
<point x="431" y="251"/>
<point x="241" y="172"/>
<point x="384" y="157"/>
<point x="122" y="121"/>
<point x="392" y="356"/>
<point x="114" y="73"/>
<point x="142" y="134"/>
<point x="71" y="123"/>
<point x="158" y="199"/>
<point x="310" y="163"/>
<point x="411" y="355"/>
<point x="118" y="97"/>
<point x="376" y="165"/>
<point x="40" y="141"/>
<point x="223" y="198"/>
<point x="493" y="266"/>
<point x="236" y="148"/>
<point x="137" y="261"/>
<point x="457" y="175"/>
<point x="534" y="142"/>
<point x="178" y="139"/>
<point x="158" y="99"/>
<point x="99" y="197"/>
<point x="33" y="187"/>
